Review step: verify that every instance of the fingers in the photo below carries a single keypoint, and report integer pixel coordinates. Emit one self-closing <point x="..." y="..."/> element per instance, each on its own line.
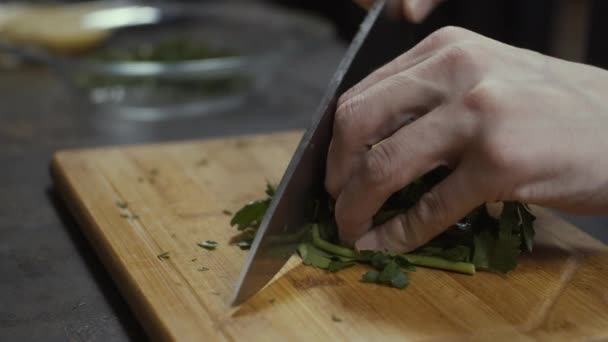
<point x="370" y="117"/>
<point x="441" y="207"/>
<point x="429" y="46"/>
<point x="417" y="10"/>
<point x="376" y="113"/>
<point x="414" y="11"/>
<point x="389" y="166"/>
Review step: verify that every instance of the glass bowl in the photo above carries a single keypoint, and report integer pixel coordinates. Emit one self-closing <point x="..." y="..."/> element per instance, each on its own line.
<point x="208" y="61"/>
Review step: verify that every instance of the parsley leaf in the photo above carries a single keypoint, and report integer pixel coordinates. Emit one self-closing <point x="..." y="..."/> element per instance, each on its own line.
<point x="370" y="277"/>
<point x="312" y="256"/>
<point x="270" y="190"/>
<point x="391" y="274"/>
<point x="250" y="215"/>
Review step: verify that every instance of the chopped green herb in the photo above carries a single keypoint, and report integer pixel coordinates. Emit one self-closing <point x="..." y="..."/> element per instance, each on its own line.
<point x="124" y="215"/>
<point x="193" y="259"/>
<point x="250" y="215"/>
<point x="163" y="256"/>
<point x="227" y="212"/>
<point x="391" y="274"/>
<point x="270" y="190"/>
<point x="336" y="318"/>
<point x="312" y="256"/>
<point x="168" y="50"/>
<point x="135" y="217"/>
<point x="477" y="242"/>
<point x="209" y="244"/>
<point x="244" y="244"/>
<point x="370" y="277"/>
<point x="203" y="269"/>
<point x="122" y="204"/>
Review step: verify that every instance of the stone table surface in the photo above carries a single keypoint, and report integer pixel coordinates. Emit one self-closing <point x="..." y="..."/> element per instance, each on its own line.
<point x="52" y="286"/>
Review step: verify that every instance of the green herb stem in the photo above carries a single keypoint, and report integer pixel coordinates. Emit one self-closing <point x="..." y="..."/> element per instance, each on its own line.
<point x="442" y="264"/>
<point x="330" y="247"/>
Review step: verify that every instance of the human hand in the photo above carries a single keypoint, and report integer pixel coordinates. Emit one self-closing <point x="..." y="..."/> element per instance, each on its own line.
<point x="512" y="124"/>
<point x="413" y="10"/>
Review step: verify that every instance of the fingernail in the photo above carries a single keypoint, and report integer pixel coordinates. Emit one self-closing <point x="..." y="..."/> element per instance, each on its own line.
<point x="369" y="242"/>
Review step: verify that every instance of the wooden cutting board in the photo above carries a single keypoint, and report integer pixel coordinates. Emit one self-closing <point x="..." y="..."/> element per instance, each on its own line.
<point x="175" y="195"/>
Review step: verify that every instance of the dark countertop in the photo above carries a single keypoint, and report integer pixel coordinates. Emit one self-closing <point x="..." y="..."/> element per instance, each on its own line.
<point x="52" y="286"/>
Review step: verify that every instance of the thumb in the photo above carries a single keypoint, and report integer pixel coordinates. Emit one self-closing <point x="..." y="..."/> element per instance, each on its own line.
<point x="438" y="209"/>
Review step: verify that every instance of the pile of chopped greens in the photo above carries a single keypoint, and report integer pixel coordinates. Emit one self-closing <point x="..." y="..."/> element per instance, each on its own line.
<point x="168" y="50"/>
<point x="172" y="50"/>
<point x="478" y="241"/>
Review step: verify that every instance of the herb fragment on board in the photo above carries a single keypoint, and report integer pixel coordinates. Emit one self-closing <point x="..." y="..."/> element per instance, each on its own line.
<point x="336" y="318"/>
<point x="122" y="204"/>
<point x="227" y="212"/>
<point x="124" y="215"/>
<point x="244" y="244"/>
<point x="203" y="269"/>
<point x="250" y="215"/>
<point x="209" y="244"/>
<point x="202" y="162"/>
<point x="247" y="219"/>
<point x="163" y="256"/>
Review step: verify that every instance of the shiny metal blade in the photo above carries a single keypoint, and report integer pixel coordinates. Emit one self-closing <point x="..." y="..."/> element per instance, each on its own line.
<point x="379" y="40"/>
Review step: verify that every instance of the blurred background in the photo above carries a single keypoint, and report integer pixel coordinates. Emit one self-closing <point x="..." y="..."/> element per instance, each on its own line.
<point x="77" y="74"/>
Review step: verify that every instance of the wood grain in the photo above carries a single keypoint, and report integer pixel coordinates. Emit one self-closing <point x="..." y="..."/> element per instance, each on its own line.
<point x="175" y="195"/>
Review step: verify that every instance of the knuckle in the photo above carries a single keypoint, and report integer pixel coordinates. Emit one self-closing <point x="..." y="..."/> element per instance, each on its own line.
<point x="445" y="35"/>
<point x="498" y="153"/>
<point x="345" y="97"/>
<point x="431" y="210"/>
<point x="346" y="117"/>
<point x="484" y="98"/>
<point x="523" y="194"/>
<point x="460" y="55"/>
<point x="412" y="235"/>
<point x="377" y="165"/>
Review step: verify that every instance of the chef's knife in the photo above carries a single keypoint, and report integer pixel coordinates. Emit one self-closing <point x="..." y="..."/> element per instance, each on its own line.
<point x="380" y="39"/>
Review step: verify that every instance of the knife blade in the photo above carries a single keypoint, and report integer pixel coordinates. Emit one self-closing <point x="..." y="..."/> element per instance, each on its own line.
<point x="379" y="39"/>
